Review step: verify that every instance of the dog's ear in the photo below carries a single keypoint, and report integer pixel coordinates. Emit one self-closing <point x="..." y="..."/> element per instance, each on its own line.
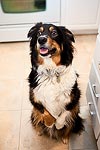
<point x="67" y="33"/>
<point x="33" y="30"/>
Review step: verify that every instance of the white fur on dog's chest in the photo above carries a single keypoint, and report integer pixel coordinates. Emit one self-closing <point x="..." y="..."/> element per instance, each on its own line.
<point x="55" y="85"/>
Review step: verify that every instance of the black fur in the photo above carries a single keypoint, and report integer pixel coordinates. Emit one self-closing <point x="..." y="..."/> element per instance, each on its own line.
<point x="33" y="35"/>
<point x="78" y="126"/>
<point x="75" y="96"/>
<point x="33" y="78"/>
<point x="68" y="49"/>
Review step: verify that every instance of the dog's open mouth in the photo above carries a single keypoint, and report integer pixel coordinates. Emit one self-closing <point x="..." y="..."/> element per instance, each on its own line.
<point x="45" y="51"/>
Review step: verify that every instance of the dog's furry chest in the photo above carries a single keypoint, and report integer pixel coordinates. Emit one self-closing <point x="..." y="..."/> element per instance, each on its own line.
<point x="54" y="88"/>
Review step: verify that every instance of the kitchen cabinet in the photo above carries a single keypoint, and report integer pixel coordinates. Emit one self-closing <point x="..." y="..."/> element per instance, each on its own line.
<point x="81" y="16"/>
<point x="93" y="91"/>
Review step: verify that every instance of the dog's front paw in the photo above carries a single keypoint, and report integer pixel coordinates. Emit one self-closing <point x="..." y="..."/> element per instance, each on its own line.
<point x="59" y="125"/>
<point x="60" y="122"/>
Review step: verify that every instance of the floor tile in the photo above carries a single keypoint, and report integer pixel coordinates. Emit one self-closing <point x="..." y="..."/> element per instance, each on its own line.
<point x="14" y="60"/>
<point x="9" y="130"/>
<point x="84" y="113"/>
<point x="10" y="94"/>
<point x="85" y="44"/>
<point x="83" y="65"/>
<point x="29" y="139"/>
<point x="84" y="53"/>
<point x="11" y="63"/>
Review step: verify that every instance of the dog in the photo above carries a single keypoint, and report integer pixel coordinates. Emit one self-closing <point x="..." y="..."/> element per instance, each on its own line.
<point x="54" y="91"/>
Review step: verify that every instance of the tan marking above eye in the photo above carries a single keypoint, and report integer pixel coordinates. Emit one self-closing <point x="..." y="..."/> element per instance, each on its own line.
<point x="41" y="29"/>
<point x="51" y="28"/>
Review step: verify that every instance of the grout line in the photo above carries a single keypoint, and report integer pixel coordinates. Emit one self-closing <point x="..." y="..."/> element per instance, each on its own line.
<point x="20" y="131"/>
<point x="14" y="109"/>
<point x="19" y="143"/>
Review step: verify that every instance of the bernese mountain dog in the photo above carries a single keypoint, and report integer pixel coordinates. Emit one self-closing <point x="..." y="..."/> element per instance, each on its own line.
<point x="54" y="91"/>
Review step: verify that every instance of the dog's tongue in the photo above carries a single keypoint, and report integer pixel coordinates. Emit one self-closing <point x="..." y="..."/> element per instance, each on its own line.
<point x="43" y="50"/>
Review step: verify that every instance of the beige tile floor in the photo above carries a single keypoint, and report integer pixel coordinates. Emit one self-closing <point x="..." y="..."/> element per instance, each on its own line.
<point x="16" y="132"/>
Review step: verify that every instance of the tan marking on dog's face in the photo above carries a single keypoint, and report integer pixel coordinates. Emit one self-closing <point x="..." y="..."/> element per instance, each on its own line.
<point x="56" y="57"/>
<point x="41" y="29"/>
<point x="51" y="28"/>
<point x="40" y="60"/>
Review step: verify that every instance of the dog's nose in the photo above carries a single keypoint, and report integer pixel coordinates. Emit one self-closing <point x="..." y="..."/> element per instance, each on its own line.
<point x="42" y="40"/>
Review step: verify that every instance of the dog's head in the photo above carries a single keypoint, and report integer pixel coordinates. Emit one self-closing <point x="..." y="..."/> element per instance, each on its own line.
<point x="48" y="40"/>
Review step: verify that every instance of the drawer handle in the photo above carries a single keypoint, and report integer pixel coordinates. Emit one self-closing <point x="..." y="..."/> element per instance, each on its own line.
<point x="99" y="65"/>
<point x="91" y="112"/>
<point x="94" y="91"/>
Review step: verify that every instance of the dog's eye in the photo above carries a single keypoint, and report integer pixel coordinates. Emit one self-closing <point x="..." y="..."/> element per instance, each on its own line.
<point x="54" y="33"/>
<point x="39" y="33"/>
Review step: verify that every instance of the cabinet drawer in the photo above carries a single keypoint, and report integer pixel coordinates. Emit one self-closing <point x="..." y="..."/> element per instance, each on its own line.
<point x="94" y="114"/>
<point x="97" y="54"/>
<point x="95" y="86"/>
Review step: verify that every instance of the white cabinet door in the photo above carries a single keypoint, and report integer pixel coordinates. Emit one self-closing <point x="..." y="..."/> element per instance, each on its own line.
<point x="97" y="54"/>
<point x="80" y="14"/>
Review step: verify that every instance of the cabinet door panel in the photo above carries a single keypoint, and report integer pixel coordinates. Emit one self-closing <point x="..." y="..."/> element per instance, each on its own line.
<point x="95" y="86"/>
<point x="97" y="54"/>
<point x="82" y="12"/>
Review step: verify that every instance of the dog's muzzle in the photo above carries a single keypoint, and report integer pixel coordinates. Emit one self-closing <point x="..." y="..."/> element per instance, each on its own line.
<point x="44" y="48"/>
<point x="42" y="40"/>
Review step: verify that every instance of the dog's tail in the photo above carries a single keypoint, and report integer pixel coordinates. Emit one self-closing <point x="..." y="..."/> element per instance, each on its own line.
<point x="78" y="125"/>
